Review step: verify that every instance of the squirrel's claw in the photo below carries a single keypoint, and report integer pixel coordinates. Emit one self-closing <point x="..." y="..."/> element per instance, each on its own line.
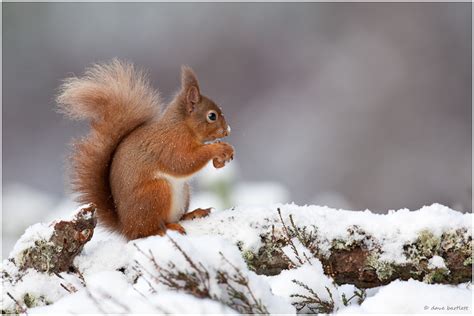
<point x="176" y="227"/>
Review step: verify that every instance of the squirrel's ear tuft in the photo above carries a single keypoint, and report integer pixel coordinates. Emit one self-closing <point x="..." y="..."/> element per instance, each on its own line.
<point x="188" y="77"/>
<point x="190" y="87"/>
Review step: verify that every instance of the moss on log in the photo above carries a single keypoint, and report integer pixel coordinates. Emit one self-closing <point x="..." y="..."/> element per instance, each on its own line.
<point x="359" y="261"/>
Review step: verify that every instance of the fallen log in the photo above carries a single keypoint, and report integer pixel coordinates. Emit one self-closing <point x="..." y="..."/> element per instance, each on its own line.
<point x="444" y="259"/>
<point x="359" y="254"/>
<point x="433" y="244"/>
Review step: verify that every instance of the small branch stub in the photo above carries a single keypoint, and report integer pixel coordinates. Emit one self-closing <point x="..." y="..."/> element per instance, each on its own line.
<point x="57" y="254"/>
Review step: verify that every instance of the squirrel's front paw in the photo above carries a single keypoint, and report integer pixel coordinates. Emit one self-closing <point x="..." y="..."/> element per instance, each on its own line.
<point x="217" y="163"/>
<point x="226" y="154"/>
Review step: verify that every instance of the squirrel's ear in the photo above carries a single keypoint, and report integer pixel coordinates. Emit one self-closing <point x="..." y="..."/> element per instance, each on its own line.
<point x="188" y="77"/>
<point x="190" y="87"/>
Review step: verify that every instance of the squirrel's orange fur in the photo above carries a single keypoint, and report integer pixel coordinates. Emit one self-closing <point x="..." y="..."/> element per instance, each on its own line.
<point x="135" y="162"/>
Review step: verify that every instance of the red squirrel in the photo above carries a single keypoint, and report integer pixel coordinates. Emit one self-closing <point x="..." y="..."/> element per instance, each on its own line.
<point x="135" y="164"/>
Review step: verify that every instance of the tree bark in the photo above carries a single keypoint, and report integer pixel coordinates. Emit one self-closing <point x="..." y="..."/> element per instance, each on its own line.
<point x="350" y="267"/>
<point x="57" y="254"/>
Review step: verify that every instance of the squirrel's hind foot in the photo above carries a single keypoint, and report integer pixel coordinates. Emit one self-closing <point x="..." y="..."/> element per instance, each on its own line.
<point x="176" y="227"/>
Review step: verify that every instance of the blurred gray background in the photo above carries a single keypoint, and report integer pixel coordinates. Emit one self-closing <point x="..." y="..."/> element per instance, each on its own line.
<point x="348" y="104"/>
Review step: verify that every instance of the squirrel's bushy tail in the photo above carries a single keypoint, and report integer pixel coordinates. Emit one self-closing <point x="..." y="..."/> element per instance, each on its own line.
<point x="116" y="98"/>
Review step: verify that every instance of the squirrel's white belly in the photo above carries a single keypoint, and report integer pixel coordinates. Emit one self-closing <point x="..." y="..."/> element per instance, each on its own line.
<point x="178" y="196"/>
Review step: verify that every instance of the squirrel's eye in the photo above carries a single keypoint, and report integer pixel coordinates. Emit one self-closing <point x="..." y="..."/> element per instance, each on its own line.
<point x="211" y="116"/>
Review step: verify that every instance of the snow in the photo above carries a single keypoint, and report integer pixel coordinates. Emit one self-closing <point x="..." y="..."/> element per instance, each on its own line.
<point x="41" y="287"/>
<point x="436" y="262"/>
<point x="120" y="277"/>
<point x="39" y="231"/>
<point x="414" y="297"/>
<point x="102" y="255"/>
<point x="166" y="302"/>
<point x="108" y="285"/>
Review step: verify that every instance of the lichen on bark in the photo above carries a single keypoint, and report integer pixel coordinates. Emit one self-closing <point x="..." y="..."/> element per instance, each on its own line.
<point x="56" y="254"/>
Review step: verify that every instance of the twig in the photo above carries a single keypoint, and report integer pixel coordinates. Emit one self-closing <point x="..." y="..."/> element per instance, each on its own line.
<point x="144" y="278"/>
<point x="244" y="281"/>
<point x="359" y="293"/>
<point x="64" y="287"/>
<point x="21" y="309"/>
<point x="197" y="281"/>
<point x="202" y="272"/>
<point x="79" y="274"/>
<point x="289" y="239"/>
<point x="314" y="303"/>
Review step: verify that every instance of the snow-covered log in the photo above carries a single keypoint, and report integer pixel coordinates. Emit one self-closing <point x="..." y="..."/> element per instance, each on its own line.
<point x="433" y="244"/>
<point x="276" y="259"/>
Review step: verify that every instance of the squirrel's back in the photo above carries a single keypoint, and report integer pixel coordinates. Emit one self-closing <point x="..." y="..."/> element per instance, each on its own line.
<point x="116" y="99"/>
